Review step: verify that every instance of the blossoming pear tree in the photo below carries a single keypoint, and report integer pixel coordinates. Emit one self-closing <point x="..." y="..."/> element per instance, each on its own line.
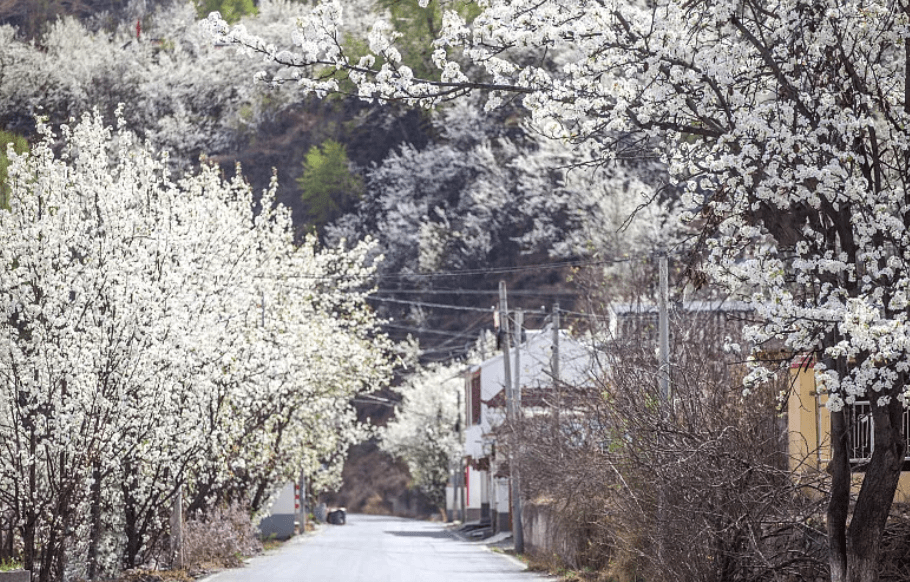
<point x="183" y="95"/>
<point x="426" y="430"/>
<point x="784" y="120"/>
<point x="484" y="191"/>
<point x="161" y="334"/>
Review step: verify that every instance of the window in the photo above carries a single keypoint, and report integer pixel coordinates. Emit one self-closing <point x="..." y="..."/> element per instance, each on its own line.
<point x="862" y="436"/>
<point x="474" y="410"/>
<point x="475" y="398"/>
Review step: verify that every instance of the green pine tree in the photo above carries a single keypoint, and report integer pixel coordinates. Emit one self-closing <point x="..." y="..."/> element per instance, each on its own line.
<point x="19" y="146"/>
<point x="231" y="10"/>
<point x="329" y="187"/>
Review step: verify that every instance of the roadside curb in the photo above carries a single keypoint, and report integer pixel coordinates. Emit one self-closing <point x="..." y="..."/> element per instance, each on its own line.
<point x="509" y="557"/>
<point x="500" y="544"/>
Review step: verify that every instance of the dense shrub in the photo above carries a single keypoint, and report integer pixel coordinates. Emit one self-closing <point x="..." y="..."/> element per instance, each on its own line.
<point x="219" y="538"/>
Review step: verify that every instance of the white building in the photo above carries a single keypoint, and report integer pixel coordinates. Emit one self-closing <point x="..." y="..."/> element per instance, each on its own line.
<point x="486" y="492"/>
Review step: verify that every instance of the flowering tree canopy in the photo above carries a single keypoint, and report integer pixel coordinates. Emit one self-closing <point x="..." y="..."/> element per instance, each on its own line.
<point x="183" y="94"/>
<point x="426" y="430"/>
<point x="161" y="333"/>
<point x="785" y="121"/>
<point x="476" y="195"/>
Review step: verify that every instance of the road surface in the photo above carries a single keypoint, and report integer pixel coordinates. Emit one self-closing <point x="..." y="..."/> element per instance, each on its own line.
<point x="380" y="549"/>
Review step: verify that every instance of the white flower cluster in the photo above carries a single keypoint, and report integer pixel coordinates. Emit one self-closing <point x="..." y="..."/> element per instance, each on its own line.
<point x="425" y="430"/>
<point x="159" y="333"/>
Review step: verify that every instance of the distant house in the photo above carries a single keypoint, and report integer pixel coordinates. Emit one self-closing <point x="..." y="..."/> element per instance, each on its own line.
<point x="809" y="428"/>
<point x="808" y="422"/>
<point x="486" y="494"/>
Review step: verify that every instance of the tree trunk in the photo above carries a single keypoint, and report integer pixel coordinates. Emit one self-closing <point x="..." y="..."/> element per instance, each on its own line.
<point x="131" y="515"/>
<point x="870" y="516"/>
<point x="28" y="542"/>
<point x="52" y="553"/>
<point x="95" y="522"/>
<point x="29" y="531"/>
<point x="839" y="503"/>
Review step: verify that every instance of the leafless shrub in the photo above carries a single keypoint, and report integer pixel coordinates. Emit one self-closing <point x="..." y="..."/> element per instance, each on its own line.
<point x="220" y="538"/>
<point x="696" y="488"/>
<point x="140" y="575"/>
<point x="895" y="562"/>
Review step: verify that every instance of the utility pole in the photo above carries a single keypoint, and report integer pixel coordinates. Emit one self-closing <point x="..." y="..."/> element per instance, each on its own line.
<point x="664" y="325"/>
<point x="519" y="328"/>
<point x="664" y="373"/>
<point x="458" y="492"/>
<point x="554" y="371"/>
<point x="554" y="364"/>
<point x="512" y="416"/>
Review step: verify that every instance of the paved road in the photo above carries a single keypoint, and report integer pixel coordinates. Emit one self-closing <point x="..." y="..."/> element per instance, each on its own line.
<point x="380" y="549"/>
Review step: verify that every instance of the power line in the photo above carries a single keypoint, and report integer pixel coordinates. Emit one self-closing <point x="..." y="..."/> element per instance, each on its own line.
<point x="450" y="351"/>
<point x="445" y="306"/>
<point x="458" y="291"/>
<point x="464" y="334"/>
<point x="581" y="314"/>
<point x="518" y="269"/>
<point x="424" y="304"/>
<point x="487" y="270"/>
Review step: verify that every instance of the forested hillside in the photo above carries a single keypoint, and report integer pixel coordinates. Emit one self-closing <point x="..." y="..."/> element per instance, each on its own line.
<point x="456" y="189"/>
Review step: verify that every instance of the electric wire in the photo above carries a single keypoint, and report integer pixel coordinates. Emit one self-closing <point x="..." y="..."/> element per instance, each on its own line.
<point x="454" y="291"/>
<point x="516" y="269"/>
<point x="453" y="334"/>
<point x="446" y="306"/>
<point x="497" y="270"/>
<point x="433" y="305"/>
<point x="370" y="296"/>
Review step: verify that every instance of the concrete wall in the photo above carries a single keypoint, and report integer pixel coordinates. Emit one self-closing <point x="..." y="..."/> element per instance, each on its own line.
<point x="280" y="522"/>
<point x="277" y="526"/>
<point x="474" y="495"/>
<point x="546" y="534"/>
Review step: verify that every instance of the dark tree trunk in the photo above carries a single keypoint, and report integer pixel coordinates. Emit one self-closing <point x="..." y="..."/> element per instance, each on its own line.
<point x="95" y="523"/>
<point x="29" y="530"/>
<point x="132" y="515"/>
<point x="28" y="542"/>
<point x="867" y="527"/>
<point x="839" y="503"/>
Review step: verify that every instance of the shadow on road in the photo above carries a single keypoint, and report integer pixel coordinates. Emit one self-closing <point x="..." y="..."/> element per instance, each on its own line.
<point x="422" y="534"/>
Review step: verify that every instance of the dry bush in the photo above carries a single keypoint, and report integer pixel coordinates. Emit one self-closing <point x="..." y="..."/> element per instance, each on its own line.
<point x="154" y="576"/>
<point x="220" y="539"/>
<point x="697" y="489"/>
<point x="895" y="560"/>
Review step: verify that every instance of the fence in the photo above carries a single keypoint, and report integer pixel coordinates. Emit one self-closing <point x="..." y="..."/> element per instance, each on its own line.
<point x="862" y="435"/>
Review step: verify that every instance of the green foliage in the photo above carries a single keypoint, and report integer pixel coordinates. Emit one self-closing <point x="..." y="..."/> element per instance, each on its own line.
<point x="418" y="28"/>
<point x="19" y="146"/>
<point x="329" y="187"/>
<point x="7" y="565"/>
<point x="231" y="10"/>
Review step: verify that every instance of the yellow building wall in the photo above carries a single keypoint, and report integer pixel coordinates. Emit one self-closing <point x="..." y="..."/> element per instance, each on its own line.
<point x="809" y="428"/>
